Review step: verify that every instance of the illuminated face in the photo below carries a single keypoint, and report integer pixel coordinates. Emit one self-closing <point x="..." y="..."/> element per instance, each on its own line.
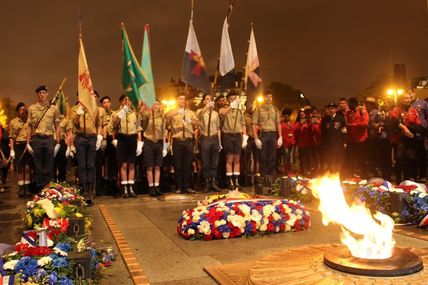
<point x="43" y="95"/>
<point x="125" y="101"/>
<point x="343" y="104"/>
<point x="221" y="102"/>
<point x="207" y="100"/>
<point x="231" y="98"/>
<point x="405" y="99"/>
<point x="156" y="106"/>
<point x="268" y="99"/>
<point x="106" y="104"/>
<point x="181" y="100"/>
<point x="22" y="112"/>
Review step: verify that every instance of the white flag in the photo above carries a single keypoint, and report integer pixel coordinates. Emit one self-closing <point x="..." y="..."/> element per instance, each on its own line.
<point x="227" y="63"/>
<point x="251" y="68"/>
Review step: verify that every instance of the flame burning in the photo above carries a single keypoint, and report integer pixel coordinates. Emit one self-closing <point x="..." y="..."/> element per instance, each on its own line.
<point x="376" y="241"/>
<point x="3" y="118"/>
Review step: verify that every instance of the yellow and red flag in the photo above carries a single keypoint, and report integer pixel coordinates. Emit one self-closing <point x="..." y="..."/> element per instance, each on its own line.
<point x="84" y="83"/>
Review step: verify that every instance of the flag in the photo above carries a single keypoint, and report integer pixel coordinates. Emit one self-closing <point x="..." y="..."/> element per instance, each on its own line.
<point x="84" y="83"/>
<point x="227" y="63"/>
<point x="193" y="71"/>
<point x="133" y="78"/>
<point x="253" y="64"/>
<point x="148" y="93"/>
<point x="61" y="102"/>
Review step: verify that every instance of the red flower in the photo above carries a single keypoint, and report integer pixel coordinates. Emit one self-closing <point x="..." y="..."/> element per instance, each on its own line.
<point x="37" y="251"/>
<point x="19" y="247"/>
<point x="208" y="237"/>
<point x="216" y="233"/>
<point x="270" y="227"/>
<point x="282" y="227"/>
<point x="235" y="232"/>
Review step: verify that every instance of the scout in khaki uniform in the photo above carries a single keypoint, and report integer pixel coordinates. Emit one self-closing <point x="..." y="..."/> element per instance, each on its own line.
<point x="209" y="142"/>
<point x="182" y="122"/>
<point x="87" y="141"/>
<point x="129" y="144"/>
<point x="100" y="150"/>
<point x="18" y="138"/>
<point x="251" y="152"/>
<point x="266" y="119"/>
<point x="234" y="138"/>
<point x="60" y="161"/>
<point x="155" y="147"/>
<point x="43" y="123"/>
<point x="109" y="157"/>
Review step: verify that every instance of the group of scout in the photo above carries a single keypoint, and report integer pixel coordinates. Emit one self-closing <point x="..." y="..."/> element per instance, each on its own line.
<point x="45" y="138"/>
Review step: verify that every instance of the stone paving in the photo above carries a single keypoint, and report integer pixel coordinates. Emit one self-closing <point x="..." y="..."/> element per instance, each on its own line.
<point x="148" y="226"/>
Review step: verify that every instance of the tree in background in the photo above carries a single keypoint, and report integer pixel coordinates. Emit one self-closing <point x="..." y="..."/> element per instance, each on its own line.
<point x="377" y="88"/>
<point x="285" y="96"/>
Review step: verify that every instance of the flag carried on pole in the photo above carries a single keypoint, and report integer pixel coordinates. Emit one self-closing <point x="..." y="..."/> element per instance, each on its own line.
<point x="193" y="71"/>
<point x="148" y="93"/>
<point x="61" y="102"/>
<point x="227" y="62"/>
<point x="133" y="78"/>
<point x="253" y="64"/>
<point x="84" y="83"/>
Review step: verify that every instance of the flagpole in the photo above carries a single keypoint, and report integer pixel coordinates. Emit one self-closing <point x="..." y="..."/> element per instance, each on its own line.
<point x="246" y="68"/>
<point x="59" y="89"/>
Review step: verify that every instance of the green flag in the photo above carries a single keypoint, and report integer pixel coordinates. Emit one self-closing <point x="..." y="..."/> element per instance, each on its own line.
<point x="61" y="102"/>
<point x="132" y="75"/>
<point x="148" y="93"/>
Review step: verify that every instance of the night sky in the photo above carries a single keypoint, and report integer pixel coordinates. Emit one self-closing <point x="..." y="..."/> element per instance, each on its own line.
<point x="327" y="48"/>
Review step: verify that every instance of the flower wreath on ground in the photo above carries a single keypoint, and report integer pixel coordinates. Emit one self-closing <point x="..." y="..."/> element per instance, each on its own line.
<point x="51" y="210"/>
<point x="237" y="215"/>
<point x="406" y="203"/>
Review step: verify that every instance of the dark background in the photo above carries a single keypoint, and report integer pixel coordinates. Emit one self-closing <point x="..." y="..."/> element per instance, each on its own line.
<point x="326" y="48"/>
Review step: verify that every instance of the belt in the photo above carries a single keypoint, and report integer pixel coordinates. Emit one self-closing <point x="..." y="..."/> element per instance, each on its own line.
<point x="183" y="139"/>
<point x="209" y="137"/>
<point x="268" y="132"/>
<point x="86" y="135"/>
<point x="158" y="141"/>
<point x="43" y="136"/>
<point x="126" y="136"/>
<point x="18" y="143"/>
<point x="232" y="134"/>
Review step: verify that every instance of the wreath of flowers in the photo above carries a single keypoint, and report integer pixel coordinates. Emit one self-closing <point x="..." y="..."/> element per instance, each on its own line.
<point x="236" y="218"/>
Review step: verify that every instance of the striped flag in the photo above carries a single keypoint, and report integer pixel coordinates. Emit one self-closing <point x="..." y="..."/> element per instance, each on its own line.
<point x="227" y="62"/>
<point x="84" y="83"/>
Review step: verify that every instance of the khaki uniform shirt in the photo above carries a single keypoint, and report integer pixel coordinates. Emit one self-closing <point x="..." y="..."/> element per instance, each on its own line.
<point x="130" y="124"/>
<point x="214" y="122"/>
<point x="233" y="122"/>
<point x="107" y="122"/>
<point x="155" y="126"/>
<point x="86" y="124"/>
<point x="18" y="130"/>
<point x="249" y="124"/>
<point x="267" y="117"/>
<point x="180" y="122"/>
<point x="102" y="113"/>
<point x="65" y="124"/>
<point x="47" y="123"/>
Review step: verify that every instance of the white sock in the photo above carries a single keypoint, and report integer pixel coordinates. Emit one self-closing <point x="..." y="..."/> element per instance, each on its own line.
<point x="236" y="173"/>
<point x="21" y="182"/>
<point x="131" y="182"/>
<point x="26" y="182"/>
<point x="124" y="182"/>
<point x="156" y="184"/>
<point x="229" y="174"/>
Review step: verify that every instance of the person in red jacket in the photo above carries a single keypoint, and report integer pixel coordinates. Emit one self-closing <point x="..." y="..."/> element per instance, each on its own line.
<point x="288" y="129"/>
<point x="303" y="135"/>
<point x="316" y="141"/>
<point x="405" y="121"/>
<point x="357" y="120"/>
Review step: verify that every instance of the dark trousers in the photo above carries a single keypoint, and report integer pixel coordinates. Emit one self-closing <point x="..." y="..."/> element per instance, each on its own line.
<point x="209" y="156"/>
<point x="356" y="159"/>
<point x="110" y="160"/>
<point x="305" y="159"/>
<point x="60" y="162"/>
<point x="406" y="158"/>
<point x="183" y="155"/>
<point x="43" y="158"/>
<point x="421" y="155"/>
<point x="268" y="153"/>
<point x="380" y="157"/>
<point x="86" y="154"/>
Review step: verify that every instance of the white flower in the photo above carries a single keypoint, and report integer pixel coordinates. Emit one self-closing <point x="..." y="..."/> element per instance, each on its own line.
<point x="196" y="217"/>
<point x="268" y="210"/>
<point x="59" y="252"/>
<point x="10" y="265"/>
<point x="237" y="221"/>
<point x="276" y="216"/>
<point x="204" y="227"/>
<point x="291" y="220"/>
<point x="191" y="231"/>
<point x="299" y="212"/>
<point x="45" y="260"/>
<point x="226" y="235"/>
<point x="50" y="243"/>
<point x="263" y="227"/>
<point x="30" y="204"/>
<point x="219" y="223"/>
<point x="363" y="182"/>
<point x="48" y="206"/>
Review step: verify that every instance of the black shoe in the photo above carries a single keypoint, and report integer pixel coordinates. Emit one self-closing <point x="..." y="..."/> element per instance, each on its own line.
<point x="27" y="190"/>
<point x="207" y="185"/>
<point x="158" y="192"/>
<point x="21" y="191"/>
<point x="152" y="191"/>
<point x="231" y="185"/>
<point x="89" y="202"/>
<point x="189" y="191"/>
<point x="214" y="186"/>
<point x="237" y="183"/>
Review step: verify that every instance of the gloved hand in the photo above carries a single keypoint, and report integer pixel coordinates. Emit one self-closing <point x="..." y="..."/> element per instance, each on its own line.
<point x="122" y="113"/>
<point x="220" y="147"/>
<point x="258" y="143"/>
<point x="72" y="151"/>
<point x="29" y="149"/>
<point x="68" y="152"/>
<point x="12" y="154"/>
<point x="99" y="141"/>
<point x="140" y="145"/>
<point x="165" y="149"/>
<point x="235" y="103"/>
<point x="56" y="149"/>
<point x="80" y="110"/>
<point x="244" y="141"/>
<point x="210" y="105"/>
<point x="114" y="142"/>
<point x="104" y="144"/>
<point x="279" y="142"/>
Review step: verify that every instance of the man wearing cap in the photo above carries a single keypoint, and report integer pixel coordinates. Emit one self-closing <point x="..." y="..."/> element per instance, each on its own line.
<point x="333" y="135"/>
<point x="18" y="138"/>
<point x="127" y="124"/>
<point x="87" y="141"/>
<point x="234" y="136"/>
<point x="182" y="122"/>
<point x="209" y="142"/>
<point x="155" y="146"/>
<point x="266" y="119"/>
<point x="43" y="124"/>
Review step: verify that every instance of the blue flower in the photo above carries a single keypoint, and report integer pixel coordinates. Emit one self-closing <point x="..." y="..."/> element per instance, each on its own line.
<point x="64" y="246"/>
<point x="53" y="278"/>
<point x="59" y="262"/>
<point x="65" y="281"/>
<point x="27" y="266"/>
